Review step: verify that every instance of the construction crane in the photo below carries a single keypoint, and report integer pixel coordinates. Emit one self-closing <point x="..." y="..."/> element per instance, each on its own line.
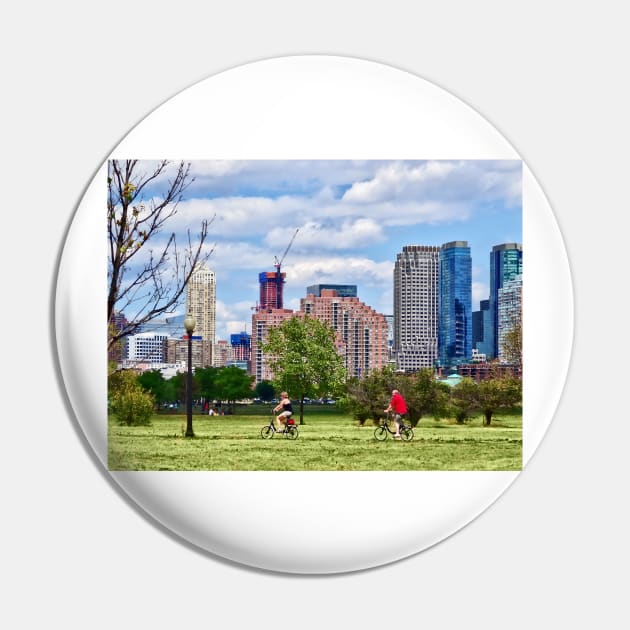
<point x="278" y="265"/>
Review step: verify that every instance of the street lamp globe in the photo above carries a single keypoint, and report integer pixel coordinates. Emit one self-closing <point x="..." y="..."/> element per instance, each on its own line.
<point x="190" y="323"/>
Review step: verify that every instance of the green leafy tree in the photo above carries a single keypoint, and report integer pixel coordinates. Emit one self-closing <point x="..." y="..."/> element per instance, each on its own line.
<point x="232" y="384"/>
<point x="465" y="399"/>
<point x="205" y="382"/>
<point x="302" y="355"/>
<point x="487" y="396"/>
<point x="142" y="197"/>
<point x="170" y="390"/>
<point x="424" y="395"/>
<point x="128" y="401"/>
<point x="178" y="386"/>
<point x="498" y="393"/>
<point x="153" y="381"/>
<point x="265" y="391"/>
<point x="367" y="397"/>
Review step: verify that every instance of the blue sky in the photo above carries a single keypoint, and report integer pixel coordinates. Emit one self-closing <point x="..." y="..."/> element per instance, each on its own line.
<point x="353" y="216"/>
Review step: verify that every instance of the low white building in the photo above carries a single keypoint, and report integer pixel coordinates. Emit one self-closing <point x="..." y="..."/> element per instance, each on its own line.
<point x="147" y="347"/>
<point x="168" y="370"/>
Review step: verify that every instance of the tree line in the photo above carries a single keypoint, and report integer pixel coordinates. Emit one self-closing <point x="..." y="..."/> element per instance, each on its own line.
<point x="134" y="398"/>
<point x="365" y="398"/>
<point x="305" y="363"/>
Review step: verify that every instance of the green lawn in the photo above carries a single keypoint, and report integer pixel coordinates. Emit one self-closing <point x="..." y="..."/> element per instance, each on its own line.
<point x="328" y="441"/>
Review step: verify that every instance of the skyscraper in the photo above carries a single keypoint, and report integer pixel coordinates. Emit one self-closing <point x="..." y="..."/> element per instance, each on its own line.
<point x="506" y="262"/>
<point x="509" y="310"/>
<point x="361" y="331"/>
<point x="416" y="274"/>
<point x="201" y="302"/>
<point x="455" y="303"/>
<point x="482" y="328"/>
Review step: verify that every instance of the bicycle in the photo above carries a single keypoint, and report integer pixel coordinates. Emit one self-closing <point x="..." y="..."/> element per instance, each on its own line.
<point x="381" y="431"/>
<point x="290" y="430"/>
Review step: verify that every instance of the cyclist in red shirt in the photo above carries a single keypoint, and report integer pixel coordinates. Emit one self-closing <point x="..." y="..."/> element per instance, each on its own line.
<point x="398" y="405"/>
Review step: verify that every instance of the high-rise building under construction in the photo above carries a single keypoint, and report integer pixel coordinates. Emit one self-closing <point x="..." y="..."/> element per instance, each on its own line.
<point x="271" y="290"/>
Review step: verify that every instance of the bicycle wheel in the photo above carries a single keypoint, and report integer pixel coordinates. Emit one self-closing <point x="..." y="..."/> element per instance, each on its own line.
<point x="406" y="434"/>
<point x="291" y="433"/>
<point x="380" y="433"/>
<point x="266" y="432"/>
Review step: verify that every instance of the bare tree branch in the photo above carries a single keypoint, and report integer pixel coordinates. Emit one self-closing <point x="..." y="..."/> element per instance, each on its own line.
<point x="156" y="286"/>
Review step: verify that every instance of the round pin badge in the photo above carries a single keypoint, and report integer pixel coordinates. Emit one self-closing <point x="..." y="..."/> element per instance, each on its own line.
<point x="326" y="314"/>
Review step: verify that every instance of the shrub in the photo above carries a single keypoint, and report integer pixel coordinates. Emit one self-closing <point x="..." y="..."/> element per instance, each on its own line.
<point x="128" y="401"/>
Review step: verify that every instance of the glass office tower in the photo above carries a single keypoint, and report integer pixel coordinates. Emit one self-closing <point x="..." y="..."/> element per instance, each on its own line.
<point x="481" y="334"/>
<point x="506" y="262"/>
<point x="343" y="290"/>
<point x="510" y="312"/>
<point x="455" y="303"/>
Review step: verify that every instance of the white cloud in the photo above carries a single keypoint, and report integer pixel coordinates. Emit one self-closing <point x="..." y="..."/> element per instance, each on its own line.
<point x="394" y="194"/>
<point x="414" y="213"/>
<point x="232" y="318"/>
<point x="330" y="235"/>
<point x="340" y="270"/>
<point x="229" y="256"/>
<point x="240" y="311"/>
<point x="397" y="180"/>
<point x="304" y="175"/>
<point x="235" y="217"/>
<point x="216" y="168"/>
<point x="470" y="181"/>
<point x="298" y="192"/>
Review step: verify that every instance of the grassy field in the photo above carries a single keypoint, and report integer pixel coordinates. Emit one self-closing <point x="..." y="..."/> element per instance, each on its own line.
<point x="328" y="441"/>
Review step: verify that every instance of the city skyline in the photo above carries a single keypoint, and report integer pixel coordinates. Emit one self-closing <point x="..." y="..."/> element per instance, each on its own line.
<point x="353" y="218"/>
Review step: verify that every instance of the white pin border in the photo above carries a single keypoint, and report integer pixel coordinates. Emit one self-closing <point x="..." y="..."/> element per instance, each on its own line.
<point x="315" y="107"/>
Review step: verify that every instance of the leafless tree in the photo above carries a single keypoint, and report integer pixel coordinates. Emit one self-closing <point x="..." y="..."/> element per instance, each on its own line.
<point x="145" y="283"/>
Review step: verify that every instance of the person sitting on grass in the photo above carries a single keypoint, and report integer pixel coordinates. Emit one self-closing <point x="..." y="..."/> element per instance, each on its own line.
<point x="287" y="409"/>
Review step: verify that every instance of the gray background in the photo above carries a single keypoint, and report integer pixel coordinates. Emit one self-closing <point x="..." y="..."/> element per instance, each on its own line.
<point x="552" y="550"/>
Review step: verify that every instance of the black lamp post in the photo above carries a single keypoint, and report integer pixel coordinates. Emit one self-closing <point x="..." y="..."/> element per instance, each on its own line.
<point x="189" y="325"/>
